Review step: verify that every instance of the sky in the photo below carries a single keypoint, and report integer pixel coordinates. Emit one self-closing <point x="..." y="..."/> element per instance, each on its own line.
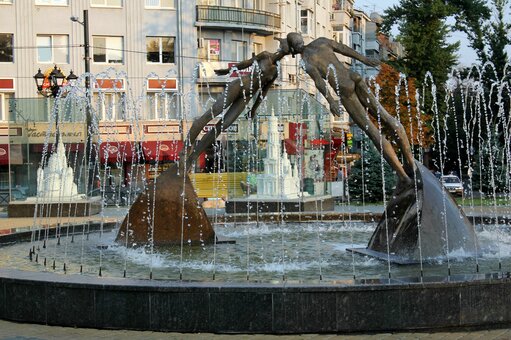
<point x="466" y="55"/>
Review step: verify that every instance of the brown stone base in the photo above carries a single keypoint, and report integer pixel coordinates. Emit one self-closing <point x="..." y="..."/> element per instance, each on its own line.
<point x="88" y="207"/>
<point x="170" y="226"/>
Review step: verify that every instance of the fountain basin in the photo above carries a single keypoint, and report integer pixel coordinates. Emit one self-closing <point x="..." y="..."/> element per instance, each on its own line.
<point x="265" y="304"/>
<point x="219" y="307"/>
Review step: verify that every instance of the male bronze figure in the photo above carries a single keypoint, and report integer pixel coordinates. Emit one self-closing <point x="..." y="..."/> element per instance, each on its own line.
<point x="321" y="63"/>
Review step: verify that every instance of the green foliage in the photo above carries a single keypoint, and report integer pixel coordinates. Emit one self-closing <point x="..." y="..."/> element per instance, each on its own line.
<point x="372" y="178"/>
<point x="423" y="33"/>
<point x="488" y="35"/>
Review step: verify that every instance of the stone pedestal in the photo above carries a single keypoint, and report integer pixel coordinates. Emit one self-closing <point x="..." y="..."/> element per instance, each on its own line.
<point x="252" y="205"/>
<point x="80" y="207"/>
<point x="177" y="217"/>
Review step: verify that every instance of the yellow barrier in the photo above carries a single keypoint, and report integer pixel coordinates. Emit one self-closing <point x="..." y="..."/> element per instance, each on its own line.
<point x="218" y="185"/>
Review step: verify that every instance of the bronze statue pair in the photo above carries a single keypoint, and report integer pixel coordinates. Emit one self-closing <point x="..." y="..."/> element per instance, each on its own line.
<point x="322" y="65"/>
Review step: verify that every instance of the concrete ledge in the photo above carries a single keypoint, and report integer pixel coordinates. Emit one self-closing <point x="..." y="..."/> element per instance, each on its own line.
<point x="87" y="207"/>
<point x="305" y="204"/>
<point x="82" y="301"/>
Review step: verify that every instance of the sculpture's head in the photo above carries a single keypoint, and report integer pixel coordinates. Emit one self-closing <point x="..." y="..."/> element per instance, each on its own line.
<point x="295" y="42"/>
<point x="283" y="45"/>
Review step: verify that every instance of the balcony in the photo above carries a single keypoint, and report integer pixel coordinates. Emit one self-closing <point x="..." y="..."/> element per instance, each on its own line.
<point x="248" y="20"/>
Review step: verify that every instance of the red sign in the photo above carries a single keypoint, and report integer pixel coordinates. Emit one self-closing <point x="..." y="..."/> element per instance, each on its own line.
<point x="240" y="72"/>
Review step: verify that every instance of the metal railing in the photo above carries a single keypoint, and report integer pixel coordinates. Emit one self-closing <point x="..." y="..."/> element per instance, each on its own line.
<point x="233" y="15"/>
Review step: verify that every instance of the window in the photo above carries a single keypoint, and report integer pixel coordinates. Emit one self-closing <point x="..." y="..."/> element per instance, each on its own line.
<point x="305" y="20"/>
<point x="160" y="3"/>
<point x="257" y="48"/>
<point x="51" y="2"/>
<point x="6" y="51"/>
<point x="160" y="50"/>
<point x="210" y="51"/>
<point x="5" y="104"/>
<point x="111" y="106"/>
<point x="240" y="50"/>
<point x="52" y="49"/>
<point x="161" y="106"/>
<point x="249" y="4"/>
<point x="106" y="3"/>
<point x="107" y="50"/>
<point x="5" y="2"/>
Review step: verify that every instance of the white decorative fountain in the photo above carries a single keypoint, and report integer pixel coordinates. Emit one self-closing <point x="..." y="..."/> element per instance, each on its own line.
<point x="279" y="186"/>
<point x="280" y="179"/>
<point x="57" y="192"/>
<point x="55" y="182"/>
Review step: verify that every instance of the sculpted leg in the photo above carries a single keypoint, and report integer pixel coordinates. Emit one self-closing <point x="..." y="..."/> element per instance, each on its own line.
<point x="320" y="84"/>
<point x="357" y="112"/>
<point x="230" y="116"/>
<point x="375" y="109"/>
<point x="224" y="101"/>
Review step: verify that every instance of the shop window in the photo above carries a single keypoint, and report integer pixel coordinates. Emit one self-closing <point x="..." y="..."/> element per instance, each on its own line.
<point x="6" y="49"/>
<point x="111" y="106"/>
<point x="106" y="3"/>
<point x="107" y="50"/>
<point x="160" y="50"/>
<point x="5" y="102"/>
<point x="161" y="106"/>
<point x="165" y="4"/>
<point x="306" y="21"/>
<point x="51" y="2"/>
<point x="210" y="50"/>
<point x="53" y="49"/>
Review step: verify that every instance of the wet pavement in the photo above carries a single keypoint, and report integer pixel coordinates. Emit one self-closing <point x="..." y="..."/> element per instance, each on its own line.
<point x="18" y="331"/>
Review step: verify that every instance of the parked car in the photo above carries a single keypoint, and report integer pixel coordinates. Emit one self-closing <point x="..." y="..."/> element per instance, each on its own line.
<point x="453" y="184"/>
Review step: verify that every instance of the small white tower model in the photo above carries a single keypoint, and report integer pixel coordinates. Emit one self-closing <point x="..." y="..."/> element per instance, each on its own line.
<point x="56" y="181"/>
<point x="279" y="179"/>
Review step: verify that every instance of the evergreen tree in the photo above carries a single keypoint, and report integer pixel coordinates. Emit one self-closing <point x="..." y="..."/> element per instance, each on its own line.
<point x="488" y="36"/>
<point x="372" y="179"/>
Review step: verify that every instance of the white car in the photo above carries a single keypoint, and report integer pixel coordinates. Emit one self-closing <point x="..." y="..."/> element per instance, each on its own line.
<point x="453" y="184"/>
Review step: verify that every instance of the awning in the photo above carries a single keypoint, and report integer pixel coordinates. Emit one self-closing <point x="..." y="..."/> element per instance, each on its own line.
<point x="161" y="150"/>
<point x="116" y="152"/>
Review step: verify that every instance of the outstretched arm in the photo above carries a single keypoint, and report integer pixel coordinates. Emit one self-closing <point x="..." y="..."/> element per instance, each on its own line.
<point x="349" y="52"/>
<point x="240" y="66"/>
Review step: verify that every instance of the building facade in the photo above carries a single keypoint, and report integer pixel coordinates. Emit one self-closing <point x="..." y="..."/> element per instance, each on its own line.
<point x="145" y="56"/>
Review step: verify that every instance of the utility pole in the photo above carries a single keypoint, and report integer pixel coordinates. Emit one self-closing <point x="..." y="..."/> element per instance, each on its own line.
<point x="90" y="156"/>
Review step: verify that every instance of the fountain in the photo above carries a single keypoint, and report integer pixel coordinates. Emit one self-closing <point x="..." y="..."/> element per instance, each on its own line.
<point x="297" y="277"/>
<point x="57" y="193"/>
<point x="278" y="187"/>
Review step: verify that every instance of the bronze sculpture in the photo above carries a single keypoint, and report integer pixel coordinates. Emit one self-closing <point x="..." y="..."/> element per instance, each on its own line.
<point x="235" y="98"/>
<point x="418" y="193"/>
<point x="320" y="63"/>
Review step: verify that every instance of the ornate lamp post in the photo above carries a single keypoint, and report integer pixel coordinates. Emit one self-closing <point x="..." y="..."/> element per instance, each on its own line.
<point x="50" y="86"/>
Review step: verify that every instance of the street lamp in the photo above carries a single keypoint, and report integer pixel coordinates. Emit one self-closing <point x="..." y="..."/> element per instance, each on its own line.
<point x="50" y="86"/>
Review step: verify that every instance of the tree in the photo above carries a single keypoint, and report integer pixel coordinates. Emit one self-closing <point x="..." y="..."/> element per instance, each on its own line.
<point x="423" y="32"/>
<point x="403" y="105"/>
<point x="488" y="36"/>
<point x="372" y="183"/>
